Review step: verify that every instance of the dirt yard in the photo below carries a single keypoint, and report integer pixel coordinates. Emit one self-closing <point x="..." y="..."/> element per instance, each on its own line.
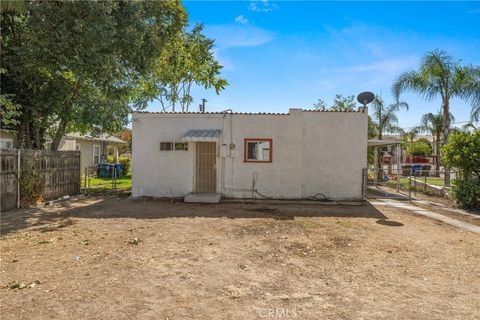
<point x="117" y="258"/>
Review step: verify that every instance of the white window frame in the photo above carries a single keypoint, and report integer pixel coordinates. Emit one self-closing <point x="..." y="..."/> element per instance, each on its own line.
<point x="93" y="152"/>
<point x="6" y="141"/>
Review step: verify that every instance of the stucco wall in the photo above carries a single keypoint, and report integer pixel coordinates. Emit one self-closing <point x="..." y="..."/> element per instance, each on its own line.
<point x="312" y="152"/>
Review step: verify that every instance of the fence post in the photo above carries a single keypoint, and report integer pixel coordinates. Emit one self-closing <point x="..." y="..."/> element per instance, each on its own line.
<point x="19" y="172"/>
<point x="85" y="182"/>
<point x="415" y="186"/>
<point x="425" y="185"/>
<point x="410" y="188"/>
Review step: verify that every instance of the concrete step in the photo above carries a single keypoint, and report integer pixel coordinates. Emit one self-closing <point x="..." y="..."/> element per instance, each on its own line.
<point x="203" y="197"/>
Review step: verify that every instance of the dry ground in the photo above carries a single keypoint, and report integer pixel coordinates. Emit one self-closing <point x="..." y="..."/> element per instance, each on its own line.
<point x="116" y="258"/>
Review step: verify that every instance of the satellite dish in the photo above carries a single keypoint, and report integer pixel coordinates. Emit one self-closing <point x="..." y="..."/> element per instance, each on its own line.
<point x="365" y="97"/>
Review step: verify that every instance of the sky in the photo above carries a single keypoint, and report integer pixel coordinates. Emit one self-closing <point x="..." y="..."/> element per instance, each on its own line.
<point x="288" y="54"/>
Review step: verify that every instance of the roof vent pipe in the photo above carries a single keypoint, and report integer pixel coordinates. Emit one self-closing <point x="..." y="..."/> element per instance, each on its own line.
<point x="202" y="105"/>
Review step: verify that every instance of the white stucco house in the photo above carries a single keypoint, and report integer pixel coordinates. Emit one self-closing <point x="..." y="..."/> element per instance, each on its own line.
<point x="292" y="155"/>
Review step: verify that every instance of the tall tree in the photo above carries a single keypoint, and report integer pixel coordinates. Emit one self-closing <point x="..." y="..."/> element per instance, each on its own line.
<point x="73" y="66"/>
<point x="385" y="117"/>
<point x="433" y="124"/>
<point x="341" y="103"/>
<point x="320" y="105"/>
<point x="439" y="75"/>
<point x="187" y="60"/>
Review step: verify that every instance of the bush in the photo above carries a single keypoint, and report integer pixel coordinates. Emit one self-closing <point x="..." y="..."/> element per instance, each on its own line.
<point x="418" y="148"/>
<point x="110" y="159"/>
<point x="32" y="183"/>
<point x="125" y="162"/>
<point x="467" y="193"/>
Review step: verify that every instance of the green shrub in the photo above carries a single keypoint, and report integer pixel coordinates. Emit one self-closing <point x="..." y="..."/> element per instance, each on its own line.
<point x="110" y="159"/>
<point x="467" y="193"/>
<point x="418" y="148"/>
<point x="125" y="162"/>
<point x="32" y="183"/>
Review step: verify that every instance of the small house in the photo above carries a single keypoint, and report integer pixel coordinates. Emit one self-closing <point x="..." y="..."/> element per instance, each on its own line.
<point x="8" y="139"/>
<point x="93" y="148"/>
<point x="301" y="154"/>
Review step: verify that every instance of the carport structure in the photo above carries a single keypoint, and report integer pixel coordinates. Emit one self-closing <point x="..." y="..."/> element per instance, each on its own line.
<point x="377" y="167"/>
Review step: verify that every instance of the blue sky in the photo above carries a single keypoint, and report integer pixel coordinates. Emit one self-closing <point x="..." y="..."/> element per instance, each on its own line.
<point x="278" y="55"/>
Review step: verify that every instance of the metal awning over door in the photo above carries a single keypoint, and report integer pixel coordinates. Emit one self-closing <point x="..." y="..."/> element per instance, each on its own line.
<point x="202" y="135"/>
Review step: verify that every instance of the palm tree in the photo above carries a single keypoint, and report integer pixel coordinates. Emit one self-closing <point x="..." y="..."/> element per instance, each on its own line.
<point x="433" y="124"/>
<point x="441" y="76"/>
<point x="409" y="136"/>
<point x="385" y="120"/>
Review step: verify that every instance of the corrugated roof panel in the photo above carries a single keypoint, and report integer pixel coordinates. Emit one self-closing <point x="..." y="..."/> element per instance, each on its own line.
<point x="207" y="135"/>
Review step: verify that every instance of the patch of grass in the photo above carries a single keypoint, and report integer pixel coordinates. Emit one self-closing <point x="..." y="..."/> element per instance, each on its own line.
<point x="103" y="184"/>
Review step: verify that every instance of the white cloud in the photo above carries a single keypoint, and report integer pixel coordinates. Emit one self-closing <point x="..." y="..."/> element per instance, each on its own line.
<point x="241" y="19"/>
<point x="234" y="36"/>
<point x="262" y="6"/>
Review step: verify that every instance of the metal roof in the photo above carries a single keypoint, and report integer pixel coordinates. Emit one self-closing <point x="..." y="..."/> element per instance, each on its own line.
<point x="208" y="135"/>
<point x="101" y="137"/>
<point x="383" y="143"/>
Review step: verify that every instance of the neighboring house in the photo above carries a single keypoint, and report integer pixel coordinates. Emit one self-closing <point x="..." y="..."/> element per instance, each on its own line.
<point x="8" y="139"/>
<point x="93" y="148"/>
<point x="285" y="156"/>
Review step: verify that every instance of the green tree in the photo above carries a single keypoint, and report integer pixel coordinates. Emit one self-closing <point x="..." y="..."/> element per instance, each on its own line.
<point x="410" y="135"/>
<point x="433" y="124"/>
<point x="320" y="105"/>
<point x="73" y="66"/>
<point x="341" y="103"/>
<point x="421" y="147"/>
<point x="187" y="60"/>
<point x="462" y="153"/>
<point x="440" y="76"/>
<point x="384" y="117"/>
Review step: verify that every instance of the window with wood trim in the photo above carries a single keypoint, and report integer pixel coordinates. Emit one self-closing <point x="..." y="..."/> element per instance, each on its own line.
<point x="258" y="150"/>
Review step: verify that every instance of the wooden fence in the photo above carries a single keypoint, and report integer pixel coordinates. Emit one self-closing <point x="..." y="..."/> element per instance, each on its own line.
<point x="8" y="179"/>
<point x="59" y="172"/>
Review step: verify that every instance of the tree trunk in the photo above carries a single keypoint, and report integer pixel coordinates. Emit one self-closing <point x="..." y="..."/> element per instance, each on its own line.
<point x="57" y="138"/>
<point x="379" y="159"/>
<point x="437" y="153"/>
<point x="446" y="132"/>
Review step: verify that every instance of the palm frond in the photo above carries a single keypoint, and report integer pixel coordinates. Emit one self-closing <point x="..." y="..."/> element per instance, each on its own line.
<point x="410" y="81"/>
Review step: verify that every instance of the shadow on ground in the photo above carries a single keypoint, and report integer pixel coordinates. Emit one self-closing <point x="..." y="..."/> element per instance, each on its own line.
<point x="114" y="207"/>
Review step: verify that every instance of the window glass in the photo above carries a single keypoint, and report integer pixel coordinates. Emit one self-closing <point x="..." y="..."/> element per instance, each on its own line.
<point x="181" y="146"/>
<point x="96" y="154"/>
<point x="258" y="150"/>
<point x="6" y="143"/>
